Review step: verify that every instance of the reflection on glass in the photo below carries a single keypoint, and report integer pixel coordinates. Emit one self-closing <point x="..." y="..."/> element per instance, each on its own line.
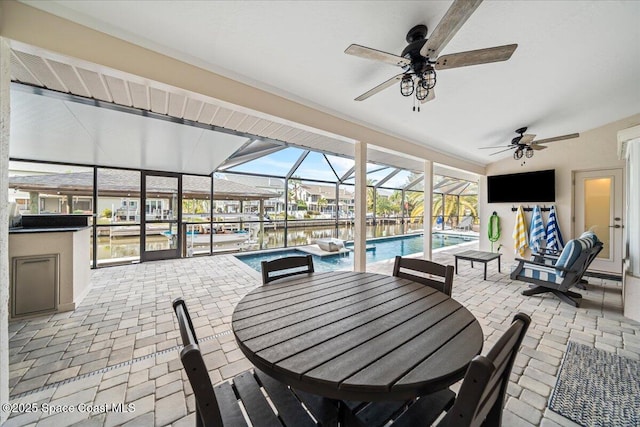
<point x="597" y="210"/>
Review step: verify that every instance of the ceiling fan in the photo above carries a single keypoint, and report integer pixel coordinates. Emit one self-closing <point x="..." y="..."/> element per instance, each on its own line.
<point x="526" y="144"/>
<point x="421" y="58"/>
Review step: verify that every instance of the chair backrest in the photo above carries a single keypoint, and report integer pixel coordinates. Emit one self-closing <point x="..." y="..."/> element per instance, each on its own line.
<point x="291" y="265"/>
<point x="466" y="221"/>
<point x="481" y="397"/>
<point x="581" y="264"/>
<point x="427" y="267"/>
<point x="207" y="410"/>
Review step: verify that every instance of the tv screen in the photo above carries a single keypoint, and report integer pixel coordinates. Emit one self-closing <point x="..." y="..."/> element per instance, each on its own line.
<point x="539" y="186"/>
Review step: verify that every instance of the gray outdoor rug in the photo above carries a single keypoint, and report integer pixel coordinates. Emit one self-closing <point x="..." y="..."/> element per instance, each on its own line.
<point x="597" y="388"/>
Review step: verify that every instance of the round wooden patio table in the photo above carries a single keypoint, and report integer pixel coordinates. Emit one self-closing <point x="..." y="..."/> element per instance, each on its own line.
<point x="357" y="336"/>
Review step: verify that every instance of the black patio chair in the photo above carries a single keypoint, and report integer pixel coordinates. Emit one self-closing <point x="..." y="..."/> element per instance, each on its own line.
<point x="550" y="257"/>
<point x="479" y="402"/>
<point x="285" y="267"/>
<point x="429" y="269"/>
<point x="559" y="277"/>
<point x="232" y="402"/>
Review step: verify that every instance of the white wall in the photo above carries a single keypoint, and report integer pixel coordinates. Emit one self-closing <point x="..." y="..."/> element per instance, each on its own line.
<point x="5" y="79"/>
<point x="594" y="149"/>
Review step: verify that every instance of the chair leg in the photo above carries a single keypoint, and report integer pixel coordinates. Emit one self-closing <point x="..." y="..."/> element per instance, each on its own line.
<point x="582" y="284"/>
<point x="535" y="290"/>
<point x="568" y="297"/>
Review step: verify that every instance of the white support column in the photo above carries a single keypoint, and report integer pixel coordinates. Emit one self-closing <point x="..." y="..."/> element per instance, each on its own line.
<point x="5" y="80"/>
<point x="428" y="207"/>
<point x="360" y="196"/>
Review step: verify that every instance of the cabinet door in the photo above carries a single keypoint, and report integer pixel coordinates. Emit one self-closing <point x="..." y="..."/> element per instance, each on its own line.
<point x="35" y="284"/>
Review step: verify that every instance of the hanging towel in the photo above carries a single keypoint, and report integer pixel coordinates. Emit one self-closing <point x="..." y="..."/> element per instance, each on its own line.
<point x="537" y="233"/>
<point x="520" y="232"/>
<point x="554" y="237"/>
<point x="494" y="229"/>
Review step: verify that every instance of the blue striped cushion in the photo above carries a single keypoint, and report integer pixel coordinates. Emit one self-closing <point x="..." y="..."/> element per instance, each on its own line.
<point x="548" y="274"/>
<point x="589" y="235"/>
<point x="571" y="252"/>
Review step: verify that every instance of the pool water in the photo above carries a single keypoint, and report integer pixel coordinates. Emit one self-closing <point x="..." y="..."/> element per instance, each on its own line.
<point x="385" y="248"/>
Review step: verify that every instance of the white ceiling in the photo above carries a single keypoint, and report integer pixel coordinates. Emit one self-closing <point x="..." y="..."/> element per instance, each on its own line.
<point x="575" y="68"/>
<point x="50" y="129"/>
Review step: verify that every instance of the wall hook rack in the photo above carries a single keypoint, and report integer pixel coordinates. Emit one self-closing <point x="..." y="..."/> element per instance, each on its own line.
<point x="529" y="209"/>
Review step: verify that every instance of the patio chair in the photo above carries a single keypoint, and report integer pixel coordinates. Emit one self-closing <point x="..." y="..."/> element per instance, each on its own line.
<point x="465" y="224"/>
<point x="564" y="273"/>
<point x="550" y="256"/>
<point x="251" y="394"/>
<point x="287" y="266"/>
<point x="480" y="400"/>
<point x="426" y="267"/>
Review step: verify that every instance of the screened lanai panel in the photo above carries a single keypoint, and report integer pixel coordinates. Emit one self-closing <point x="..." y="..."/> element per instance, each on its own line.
<point x="454" y="186"/>
<point x="275" y="164"/>
<point x="315" y="166"/>
<point x="341" y="165"/>
<point x="400" y="180"/>
<point x="375" y="173"/>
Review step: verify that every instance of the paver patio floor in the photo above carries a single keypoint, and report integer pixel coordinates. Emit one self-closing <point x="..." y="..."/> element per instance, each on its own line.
<point x="119" y="349"/>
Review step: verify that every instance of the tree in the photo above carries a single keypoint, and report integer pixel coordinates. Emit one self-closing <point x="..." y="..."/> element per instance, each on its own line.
<point x="416" y="200"/>
<point x="384" y="206"/>
<point x="295" y="187"/>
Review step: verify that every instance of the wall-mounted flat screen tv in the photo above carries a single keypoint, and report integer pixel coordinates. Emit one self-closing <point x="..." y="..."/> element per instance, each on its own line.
<point x="538" y="186"/>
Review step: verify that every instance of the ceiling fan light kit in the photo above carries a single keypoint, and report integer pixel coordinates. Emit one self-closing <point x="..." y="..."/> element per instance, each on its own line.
<point x="420" y="59"/>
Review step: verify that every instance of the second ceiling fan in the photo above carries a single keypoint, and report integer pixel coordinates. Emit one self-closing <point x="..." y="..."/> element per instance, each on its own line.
<point x="526" y="144"/>
<point x="421" y="58"/>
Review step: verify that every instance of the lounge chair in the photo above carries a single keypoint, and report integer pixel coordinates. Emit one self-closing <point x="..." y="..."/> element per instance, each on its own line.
<point x="330" y="244"/>
<point x="566" y="272"/>
<point x="465" y="224"/>
<point x="550" y="256"/>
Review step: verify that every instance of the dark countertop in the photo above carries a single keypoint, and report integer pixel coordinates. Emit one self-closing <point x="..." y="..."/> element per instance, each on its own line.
<point x="19" y="230"/>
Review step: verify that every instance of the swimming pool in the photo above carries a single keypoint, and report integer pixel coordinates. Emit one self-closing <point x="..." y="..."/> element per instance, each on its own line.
<point x="385" y="248"/>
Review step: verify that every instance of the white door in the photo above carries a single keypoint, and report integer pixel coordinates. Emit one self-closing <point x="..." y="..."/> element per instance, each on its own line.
<point x="598" y="206"/>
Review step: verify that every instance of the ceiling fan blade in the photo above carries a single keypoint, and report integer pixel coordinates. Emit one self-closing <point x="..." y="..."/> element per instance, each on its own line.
<point x="501" y="151"/>
<point x="380" y="87"/>
<point x="448" y="26"/>
<point x="376" y="55"/>
<point x="526" y="139"/>
<point x="494" y="147"/>
<point x="535" y="146"/>
<point x="557" y="138"/>
<point x="476" y="57"/>
<point x="430" y="96"/>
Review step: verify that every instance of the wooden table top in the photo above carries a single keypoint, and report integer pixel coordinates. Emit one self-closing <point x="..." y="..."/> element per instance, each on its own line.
<point x="478" y="255"/>
<point x="357" y="336"/>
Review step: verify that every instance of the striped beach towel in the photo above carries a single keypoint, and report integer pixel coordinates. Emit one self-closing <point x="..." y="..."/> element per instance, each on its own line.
<point x="554" y="237"/>
<point x="520" y="232"/>
<point x="537" y="233"/>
